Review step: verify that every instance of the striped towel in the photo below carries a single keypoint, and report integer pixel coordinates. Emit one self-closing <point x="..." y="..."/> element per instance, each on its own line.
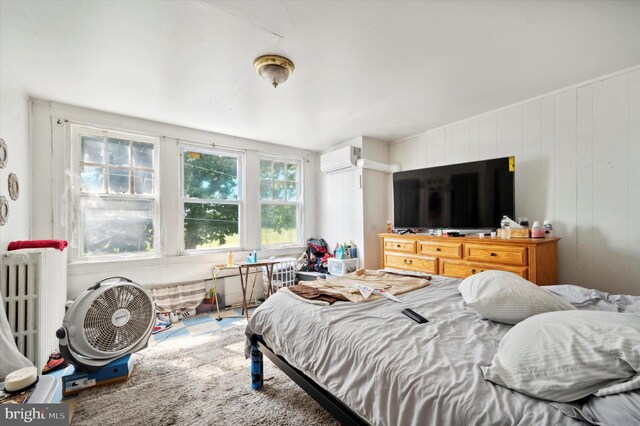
<point x="178" y="296"/>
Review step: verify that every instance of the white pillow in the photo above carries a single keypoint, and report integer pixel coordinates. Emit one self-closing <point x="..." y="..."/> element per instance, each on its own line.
<point x="565" y="356"/>
<point x="508" y="298"/>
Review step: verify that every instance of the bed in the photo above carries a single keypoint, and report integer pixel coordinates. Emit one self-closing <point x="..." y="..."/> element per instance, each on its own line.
<point x="368" y="363"/>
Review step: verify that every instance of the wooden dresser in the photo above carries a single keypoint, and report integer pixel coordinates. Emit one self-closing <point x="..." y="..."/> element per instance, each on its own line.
<point x="533" y="259"/>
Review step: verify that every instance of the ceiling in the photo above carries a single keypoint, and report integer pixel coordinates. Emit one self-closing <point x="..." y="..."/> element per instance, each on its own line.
<point x="384" y="69"/>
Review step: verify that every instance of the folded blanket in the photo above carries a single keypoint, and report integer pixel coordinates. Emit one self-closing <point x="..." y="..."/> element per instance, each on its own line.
<point x="56" y="244"/>
<point x="312" y="295"/>
<point x="342" y="287"/>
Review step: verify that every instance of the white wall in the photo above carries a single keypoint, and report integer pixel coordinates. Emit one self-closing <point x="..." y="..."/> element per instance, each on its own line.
<point x="353" y="204"/>
<point x="14" y="129"/>
<point x="577" y="164"/>
<point x="340" y="204"/>
<point x="51" y="159"/>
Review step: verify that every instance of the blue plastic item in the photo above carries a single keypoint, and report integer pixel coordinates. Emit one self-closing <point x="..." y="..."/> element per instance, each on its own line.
<point x="256" y="367"/>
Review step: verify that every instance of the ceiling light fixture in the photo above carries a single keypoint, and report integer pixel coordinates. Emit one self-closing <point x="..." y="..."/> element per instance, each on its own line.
<point x="273" y="69"/>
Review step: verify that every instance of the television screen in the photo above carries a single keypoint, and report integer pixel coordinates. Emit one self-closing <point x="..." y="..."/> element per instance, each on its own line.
<point x="471" y="195"/>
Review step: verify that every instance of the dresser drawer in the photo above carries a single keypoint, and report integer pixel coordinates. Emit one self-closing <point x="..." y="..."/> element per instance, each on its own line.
<point x="499" y="254"/>
<point x="440" y="249"/>
<point x="465" y="269"/>
<point x="403" y="246"/>
<point x="411" y="262"/>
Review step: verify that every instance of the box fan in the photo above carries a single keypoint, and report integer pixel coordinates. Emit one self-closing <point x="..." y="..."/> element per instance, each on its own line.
<point x="110" y="320"/>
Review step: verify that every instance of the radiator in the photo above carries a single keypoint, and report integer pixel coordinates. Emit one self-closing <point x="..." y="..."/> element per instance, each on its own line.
<point x="33" y="284"/>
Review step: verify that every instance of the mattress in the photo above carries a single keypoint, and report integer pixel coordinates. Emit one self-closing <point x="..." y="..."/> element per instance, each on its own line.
<point x="393" y="371"/>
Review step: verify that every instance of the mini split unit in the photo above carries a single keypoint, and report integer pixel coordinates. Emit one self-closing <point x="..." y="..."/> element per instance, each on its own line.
<point x="348" y="158"/>
<point x="340" y="160"/>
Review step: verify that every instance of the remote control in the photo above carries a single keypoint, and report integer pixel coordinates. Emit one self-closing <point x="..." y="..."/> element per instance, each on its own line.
<point x="415" y="316"/>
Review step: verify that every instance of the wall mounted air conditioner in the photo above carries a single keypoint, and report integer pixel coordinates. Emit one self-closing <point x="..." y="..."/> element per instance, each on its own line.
<point x="340" y="160"/>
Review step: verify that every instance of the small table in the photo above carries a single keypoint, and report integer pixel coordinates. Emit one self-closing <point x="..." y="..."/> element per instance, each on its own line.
<point x="244" y="280"/>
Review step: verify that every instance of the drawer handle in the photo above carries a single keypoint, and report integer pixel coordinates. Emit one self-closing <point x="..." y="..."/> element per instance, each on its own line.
<point x="438" y="249"/>
<point x="473" y="271"/>
<point x="398" y="246"/>
<point x="492" y="254"/>
<point x="408" y="261"/>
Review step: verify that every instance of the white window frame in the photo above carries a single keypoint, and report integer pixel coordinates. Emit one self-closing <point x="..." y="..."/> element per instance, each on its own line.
<point x="299" y="204"/>
<point x="240" y="202"/>
<point x="75" y="233"/>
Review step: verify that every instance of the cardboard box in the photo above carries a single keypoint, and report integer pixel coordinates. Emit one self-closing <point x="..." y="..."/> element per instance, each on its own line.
<point x="115" y="372"/>
<point x="515" y="233"/>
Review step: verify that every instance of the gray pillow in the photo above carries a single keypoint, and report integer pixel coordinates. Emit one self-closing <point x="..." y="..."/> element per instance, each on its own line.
<point x="565" y="356"/>
<point x="508" y="298"/>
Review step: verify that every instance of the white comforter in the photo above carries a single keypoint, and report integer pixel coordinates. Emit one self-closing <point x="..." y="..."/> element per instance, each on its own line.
<point x="393" y="371"/>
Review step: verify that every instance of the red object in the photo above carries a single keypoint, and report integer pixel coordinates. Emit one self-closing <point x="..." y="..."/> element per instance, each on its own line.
<point x="56" y="244"/>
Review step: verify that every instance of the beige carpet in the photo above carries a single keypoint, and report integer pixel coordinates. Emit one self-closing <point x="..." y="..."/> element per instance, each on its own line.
<point x="199" y="381"/>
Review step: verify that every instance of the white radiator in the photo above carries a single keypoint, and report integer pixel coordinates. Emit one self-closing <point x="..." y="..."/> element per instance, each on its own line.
<point x="33" y="284"/>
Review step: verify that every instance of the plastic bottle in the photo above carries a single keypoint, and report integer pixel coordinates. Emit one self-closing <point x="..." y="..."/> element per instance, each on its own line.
<point x="254" y="256"/>
<point x="506" y="230"/>
<point x="354" y="250"/>
<point x="537" y="231"/>
<point x="339" y="252"/>
<point x="229" y="259"/>
<point x="504" y="223"/>
<point x="548" y="229"/>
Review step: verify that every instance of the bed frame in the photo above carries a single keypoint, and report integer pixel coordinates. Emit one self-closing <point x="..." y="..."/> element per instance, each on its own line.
<point x="338" y="409"/>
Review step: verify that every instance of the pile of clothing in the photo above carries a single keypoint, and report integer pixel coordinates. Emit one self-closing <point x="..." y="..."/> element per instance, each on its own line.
<point x="315" y="257"/>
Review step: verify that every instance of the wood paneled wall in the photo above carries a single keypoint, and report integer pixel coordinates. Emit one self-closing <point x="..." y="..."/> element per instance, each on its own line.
<point x="577" y="164"/>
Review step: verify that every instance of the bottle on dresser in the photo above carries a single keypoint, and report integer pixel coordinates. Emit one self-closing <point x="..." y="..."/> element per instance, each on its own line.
<point x="537" y="231"/>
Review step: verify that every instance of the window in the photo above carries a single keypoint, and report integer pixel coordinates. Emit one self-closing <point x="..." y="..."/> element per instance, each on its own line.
<point x="117" y="194"/>
<point x="211" y="199"/>
<point x="280" y="202"/>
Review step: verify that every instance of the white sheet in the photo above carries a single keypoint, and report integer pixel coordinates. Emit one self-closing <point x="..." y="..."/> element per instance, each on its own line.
<point x="393" y="371"/>
<point x="11" y="358"/>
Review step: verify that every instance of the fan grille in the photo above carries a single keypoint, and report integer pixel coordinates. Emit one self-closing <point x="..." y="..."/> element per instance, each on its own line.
<point x="99" y="330"/>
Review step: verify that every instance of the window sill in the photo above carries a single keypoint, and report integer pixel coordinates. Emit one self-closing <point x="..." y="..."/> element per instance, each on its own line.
<point x="219" y="257"/>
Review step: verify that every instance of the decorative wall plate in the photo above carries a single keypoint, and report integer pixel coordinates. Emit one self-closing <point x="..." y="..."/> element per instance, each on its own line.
<point x="4" y="154"/>
<point x="14" y="186"/>
<point x="4" y="210"/>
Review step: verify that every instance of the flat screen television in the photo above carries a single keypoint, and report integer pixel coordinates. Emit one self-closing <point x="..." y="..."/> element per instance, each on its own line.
<point x="461" y="196"/>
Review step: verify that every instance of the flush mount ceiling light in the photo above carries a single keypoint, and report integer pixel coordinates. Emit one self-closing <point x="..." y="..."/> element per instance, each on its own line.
<point x="273" y="69"/>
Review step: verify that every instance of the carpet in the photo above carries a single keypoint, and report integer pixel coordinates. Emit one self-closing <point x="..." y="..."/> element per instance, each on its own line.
<point x="199" y="381"/>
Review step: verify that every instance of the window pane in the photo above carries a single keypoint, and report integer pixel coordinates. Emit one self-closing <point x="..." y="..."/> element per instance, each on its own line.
<point x="92" y="179"/>
<point x="266" y="190"/>
<point x="279" y="224"/>
<point x="210" y="225"/>
<point x="92" y="149"/>
<point x="265" y="169"/>
<point x="119" y="181"/>
<point x="279" y="191"/>
<point x="118" y="152"/>
<point x="292" y="192"/>
<point x="210" y="176"/>
<point x="278" y="171"/>
<point x="116" y="226"/>
<point x="142" y="182"/>
<point x="142" y="154"/>
<point x="292" y="174"/>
